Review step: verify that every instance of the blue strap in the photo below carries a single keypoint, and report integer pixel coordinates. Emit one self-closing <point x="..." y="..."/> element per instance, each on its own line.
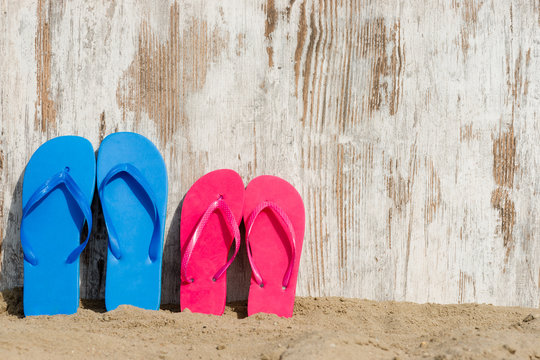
<point x="61" y="178"/>
<point x="136" y="175"/>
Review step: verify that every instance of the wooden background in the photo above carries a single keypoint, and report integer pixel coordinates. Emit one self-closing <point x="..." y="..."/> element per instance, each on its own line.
<point x="411" y="128"/>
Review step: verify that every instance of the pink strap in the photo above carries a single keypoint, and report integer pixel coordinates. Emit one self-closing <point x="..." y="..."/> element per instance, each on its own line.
<point x="281" y="213"/>
<point x="221" y="205"/>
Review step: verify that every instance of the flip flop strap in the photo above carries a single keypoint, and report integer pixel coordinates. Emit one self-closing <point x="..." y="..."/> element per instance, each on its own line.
<point x="249" y="225"/>
<point x="222" y="206"/>
<point x="58" y="179"/>
<point x="135" y="174"/>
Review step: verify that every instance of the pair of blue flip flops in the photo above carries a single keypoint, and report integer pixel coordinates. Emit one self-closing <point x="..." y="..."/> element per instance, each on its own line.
<point x="58" y="188"/>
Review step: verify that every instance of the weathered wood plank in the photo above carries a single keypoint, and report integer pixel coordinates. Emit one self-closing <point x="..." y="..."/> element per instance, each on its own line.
<point x="410" y="128"/>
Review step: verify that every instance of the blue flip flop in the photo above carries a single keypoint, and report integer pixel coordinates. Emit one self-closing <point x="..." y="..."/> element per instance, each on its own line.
<point x="58" y="187"/>
<point x="132" y="185"/>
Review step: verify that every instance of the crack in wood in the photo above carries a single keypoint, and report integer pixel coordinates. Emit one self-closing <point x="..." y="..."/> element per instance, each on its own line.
<point x="300" y="41"/>
<point x="469" y="14"/>
<point x="504" y="166"/>
<point x="375" y="40"/>
<point x="270" y="26"/>
<point x="45" y="108"/>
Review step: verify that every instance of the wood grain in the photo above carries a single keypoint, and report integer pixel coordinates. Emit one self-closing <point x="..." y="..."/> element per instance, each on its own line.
<point x="410" y="128"/>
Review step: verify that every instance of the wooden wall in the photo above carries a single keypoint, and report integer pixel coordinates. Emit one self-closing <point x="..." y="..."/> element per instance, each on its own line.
<point x="411" y="128"/>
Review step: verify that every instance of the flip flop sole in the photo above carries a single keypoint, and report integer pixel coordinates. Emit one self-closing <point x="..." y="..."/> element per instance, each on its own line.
<point x="134" y="278"/>
<point x="204" y="295"/>
<point x="54" y="226"/>
<point x="270" y="244"/>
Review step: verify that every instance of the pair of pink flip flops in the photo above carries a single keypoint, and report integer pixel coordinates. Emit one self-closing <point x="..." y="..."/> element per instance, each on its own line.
<point x="273" y="214"/>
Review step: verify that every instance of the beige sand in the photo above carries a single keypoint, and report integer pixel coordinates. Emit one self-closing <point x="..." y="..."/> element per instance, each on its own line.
<point x="324" y="328"/>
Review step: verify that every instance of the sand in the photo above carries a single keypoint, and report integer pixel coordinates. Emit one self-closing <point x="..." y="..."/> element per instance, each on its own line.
<point x="321" y="328"/>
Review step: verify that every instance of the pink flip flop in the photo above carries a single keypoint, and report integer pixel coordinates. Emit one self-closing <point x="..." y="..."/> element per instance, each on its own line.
<point x="211" y="214"/>
<point x="274" y="218"/>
